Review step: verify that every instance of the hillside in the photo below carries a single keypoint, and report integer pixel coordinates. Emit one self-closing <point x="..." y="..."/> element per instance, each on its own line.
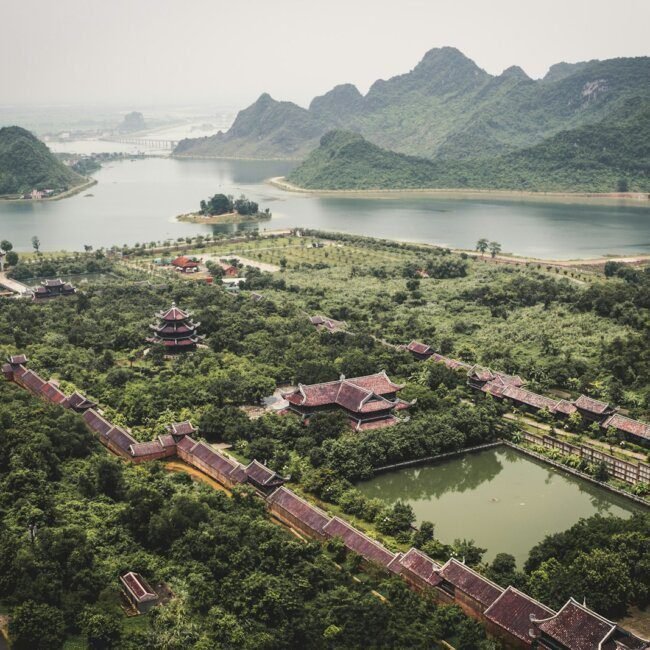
<point x="592" y="158"/>
<point x="446" y="107"/>
<point x="26" y="163"/>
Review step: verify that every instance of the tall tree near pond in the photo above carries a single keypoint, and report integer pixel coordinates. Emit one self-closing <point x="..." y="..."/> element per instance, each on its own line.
<point x="482" y="245"/>
<point x="495" y="248"/>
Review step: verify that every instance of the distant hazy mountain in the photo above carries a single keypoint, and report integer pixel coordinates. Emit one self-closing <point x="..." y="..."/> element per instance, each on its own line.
<point x="604" y="157"/>
<point x="26" y="164"/>
<point x="132" y="122"/>
<point x="446" y="107"/>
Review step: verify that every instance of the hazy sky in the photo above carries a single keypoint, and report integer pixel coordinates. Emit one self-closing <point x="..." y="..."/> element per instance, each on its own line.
<point x="145" y="52"/>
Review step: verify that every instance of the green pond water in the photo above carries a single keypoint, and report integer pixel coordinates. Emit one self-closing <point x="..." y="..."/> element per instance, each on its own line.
<point x="503" y="500"/>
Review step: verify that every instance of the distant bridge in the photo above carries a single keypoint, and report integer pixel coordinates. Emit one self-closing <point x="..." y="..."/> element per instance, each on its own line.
<point x="150" y="143"/>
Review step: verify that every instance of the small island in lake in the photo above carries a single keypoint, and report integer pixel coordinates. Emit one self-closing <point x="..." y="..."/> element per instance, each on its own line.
<point x="222" y="208"/>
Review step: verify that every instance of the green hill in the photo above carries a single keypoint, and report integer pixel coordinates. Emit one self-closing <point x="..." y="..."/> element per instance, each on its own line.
<point x="593" y="158"/>
<point x="446" y="107"/>
<point x="26" y="164"/>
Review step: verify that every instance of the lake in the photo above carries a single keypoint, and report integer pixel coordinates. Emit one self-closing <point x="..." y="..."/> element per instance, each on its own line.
<point x="137" y="201"/>
<point x="503" y="500"/>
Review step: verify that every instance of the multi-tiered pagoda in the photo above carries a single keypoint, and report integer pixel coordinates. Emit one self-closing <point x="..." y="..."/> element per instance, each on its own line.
<point x="175" y="330"/>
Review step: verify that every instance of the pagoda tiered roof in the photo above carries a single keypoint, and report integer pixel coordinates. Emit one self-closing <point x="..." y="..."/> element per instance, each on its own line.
<point x="175" y="330"/>
<point x="174" y="313"/>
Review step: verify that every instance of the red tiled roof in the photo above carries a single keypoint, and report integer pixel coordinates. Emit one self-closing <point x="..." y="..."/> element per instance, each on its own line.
<point x="422" y="566"/>
<point x="6" y="367"/>
<point x="512" y="611"/>
<point x="376" y="424"/>
<point x="419" y="348"/>
<point x="470" y="582"/>
<point x="17" y="359"/>
<point x="172" y="343"/>
<point x="184" y="262"/>
<point x="138" y="587"/>
<point x="52" y="393"/>
<point x="302" y="510"/>
<point x="358" y="542"/>
<point x="576" y="627"/>
<point x="634" y="427"/>
<point x="379" y="383"/>
<point x="173" y="328"/>
<point x="96" y="422"/>
<point x="481" y="374"/>
<point x="528" y="397"/>
<point x="591" y="405"/>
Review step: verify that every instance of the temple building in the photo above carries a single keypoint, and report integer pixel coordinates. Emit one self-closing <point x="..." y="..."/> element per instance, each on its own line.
<point x="421" y="351"/>
<point x="369" y="402"/>
<point x="576" y="627"/>
<point x="53" y="289"/>
<point x="633" y="430"/>
<point x="175" y="330"/>
<point x="327" y="324"/>
<point x="15" y="362"/>
<point x="592" y="409"/>
<point x="185" y="264"/>
<point x="181" y="429"/>
<point x="138" y="592"/>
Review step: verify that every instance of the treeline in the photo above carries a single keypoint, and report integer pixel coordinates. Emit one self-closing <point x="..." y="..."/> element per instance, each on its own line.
<point x="222" y="204"/>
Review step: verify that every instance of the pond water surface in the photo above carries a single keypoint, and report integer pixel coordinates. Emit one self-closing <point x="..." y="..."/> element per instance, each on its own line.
<point x="503" y="500"/>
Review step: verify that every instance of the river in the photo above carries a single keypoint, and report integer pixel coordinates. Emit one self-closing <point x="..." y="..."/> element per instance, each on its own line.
<point x="503" y="500"/>
<point x="137" y="201"/>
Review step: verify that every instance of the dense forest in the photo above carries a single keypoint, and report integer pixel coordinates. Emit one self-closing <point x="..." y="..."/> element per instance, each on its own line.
<point x="610" y="156"/>
<point x="72" y="518"/>
<point x="26" y="164"/>
<point x="446" y="107"/>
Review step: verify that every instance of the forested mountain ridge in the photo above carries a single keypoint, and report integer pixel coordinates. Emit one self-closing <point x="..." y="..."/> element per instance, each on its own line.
<point x="26" y="163"/>
<point x="609" y="156"/>
<point x="446" y="107"/>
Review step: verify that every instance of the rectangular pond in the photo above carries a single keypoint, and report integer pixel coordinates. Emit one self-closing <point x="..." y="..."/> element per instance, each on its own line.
<point x="503" y="500"/>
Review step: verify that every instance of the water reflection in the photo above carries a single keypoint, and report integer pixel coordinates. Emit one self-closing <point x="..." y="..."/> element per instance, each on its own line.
<point x="502" y="499"/>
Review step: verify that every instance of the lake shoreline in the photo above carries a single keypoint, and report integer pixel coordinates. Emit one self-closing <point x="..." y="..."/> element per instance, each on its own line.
<point x="630" y="198"/>
<point x="64" y="195"/>
<point x="228" y="217"/>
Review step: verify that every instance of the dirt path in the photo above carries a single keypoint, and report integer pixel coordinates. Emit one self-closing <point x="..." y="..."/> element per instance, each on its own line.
<point x="13" y="285"/>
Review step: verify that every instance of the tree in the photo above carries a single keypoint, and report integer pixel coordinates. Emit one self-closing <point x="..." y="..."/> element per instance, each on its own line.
<point x="495" y="248"/>
<point x="103" y="630"/>
<point x="35" y="626"/>
<point x="482" y="245"/>
<point x="12" y="258"/>
<point x="36" y="243"/>
<point x="601" y="473"/>
<point x="622" y="185"/>
<point x="6" y="245"/>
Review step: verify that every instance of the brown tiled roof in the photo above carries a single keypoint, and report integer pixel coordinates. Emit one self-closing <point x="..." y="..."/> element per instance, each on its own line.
<point x="214" y="459"/>
<point x="566" y="407"/>
<point x="17" y="359"/>
<point x="138" y="587"/>
<point x="6" y="367"/>
<point x="167" y="440"/>
<point x="174" y="314"/>
<point x="52" y="393"/>
<point x="79" y="401"/>
<point x="58" y="282"/>
<point x="181" y="428"/>
<point x="481" y="374"/>
<point x="302" y="510"/>
<point x="358" y="542"/>
<point x="634" y="427"/>
<point x="122" y="438"/>
<point x="419" y="348"/>
<point x="145" y="448"/>
<point x="96" y="422"/>
<point x="592" y="405"/>
<point x="379" y="423"/>
<point x="32" y="381"/>
<point x="576" y="627"/>
<point x="259" y="473"/>
<point x="528" y="397"/>
<point x="186" y="444"/>
<point x="422" y="566"/>
<point x="512" y="611"/>
<point x="470" y="582"/>
<point x="352" y="394"/>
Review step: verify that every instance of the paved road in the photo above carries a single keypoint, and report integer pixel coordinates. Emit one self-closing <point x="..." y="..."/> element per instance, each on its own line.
<point x="18" y="287"/>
